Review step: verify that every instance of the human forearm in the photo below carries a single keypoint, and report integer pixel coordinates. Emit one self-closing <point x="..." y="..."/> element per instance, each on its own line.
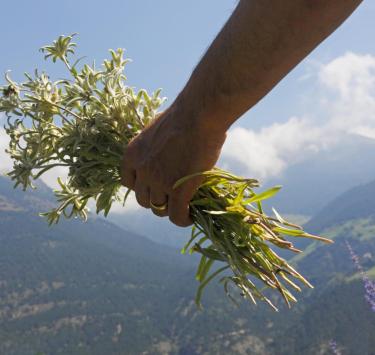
<point x="261" y="42"/>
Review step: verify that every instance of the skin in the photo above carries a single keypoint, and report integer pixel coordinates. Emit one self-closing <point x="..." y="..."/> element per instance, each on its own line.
<point x="261" y="42"/>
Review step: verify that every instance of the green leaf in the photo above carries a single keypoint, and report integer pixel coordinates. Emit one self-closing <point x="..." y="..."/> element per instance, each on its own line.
<point x="263" y="195"/>
<point x="204" y="284"/>
<point x="192" y="238"/>
<point x="294" y="232"/>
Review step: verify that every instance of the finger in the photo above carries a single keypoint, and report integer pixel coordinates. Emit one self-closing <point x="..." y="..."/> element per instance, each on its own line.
<point x="158" y="198"/>
<point x="179" y="199"/>
<point x="128" y="174"/>
<point x="178" y="210"/>
<point x="128" y="178"/>
<point x="142" y="194"/>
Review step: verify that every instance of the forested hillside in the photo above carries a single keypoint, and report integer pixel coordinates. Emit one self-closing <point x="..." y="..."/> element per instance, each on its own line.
<point x="92" y="288"/>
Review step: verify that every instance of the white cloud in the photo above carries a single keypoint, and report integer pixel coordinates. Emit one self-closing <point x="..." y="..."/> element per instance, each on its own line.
<point x="346" y="98"/>
<point x="269" y="151"/>
<point x="5" y="161"/>
<point x="349" y="74"/>
<point x="50" y="177"/>
<point x="344" y="103"/>
<point x="131" y="205"/>
<point x="351" y="79"/>
<point x="365" y="131"/>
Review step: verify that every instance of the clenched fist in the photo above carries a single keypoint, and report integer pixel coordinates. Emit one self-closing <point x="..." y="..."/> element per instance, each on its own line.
<point x="174" y="145"/>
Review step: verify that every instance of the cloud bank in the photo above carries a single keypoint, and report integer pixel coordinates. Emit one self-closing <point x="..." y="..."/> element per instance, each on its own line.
<point x="345" y="97"/>
<point x="5" y="162"/>
<point x="344" y="104"/>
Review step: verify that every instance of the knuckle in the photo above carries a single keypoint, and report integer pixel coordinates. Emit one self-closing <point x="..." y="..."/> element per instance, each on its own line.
<point x="142" y="171"/>
<point x="160" y="213"/>
<point x="180" y="220"/>
<point x="181" y="223"/>
<point x="127" y="182"/>
<point x="186" y="191"/>
<point x="127" y="157"/>
<point x="141" y="200"/>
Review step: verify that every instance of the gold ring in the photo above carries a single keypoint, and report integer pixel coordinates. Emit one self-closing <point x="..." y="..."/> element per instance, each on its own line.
<point x="162" y="207"/>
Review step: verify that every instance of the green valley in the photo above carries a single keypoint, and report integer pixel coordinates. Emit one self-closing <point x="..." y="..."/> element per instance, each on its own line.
<point x="93" y="288"/>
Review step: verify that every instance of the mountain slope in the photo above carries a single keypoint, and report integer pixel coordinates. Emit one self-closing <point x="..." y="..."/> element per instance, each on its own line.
<point x="337" y="306"/>
<point x="358" y="202"/>
<point x="308" y="186"/>
<point x="77" y="279"/>
<point x="91" y="288"/>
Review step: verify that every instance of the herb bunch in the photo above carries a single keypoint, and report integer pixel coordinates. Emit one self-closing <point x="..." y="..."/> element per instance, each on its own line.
<point x="85" y="122"/>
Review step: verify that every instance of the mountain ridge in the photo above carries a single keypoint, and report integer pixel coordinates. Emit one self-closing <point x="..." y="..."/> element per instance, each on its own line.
<point x="92" y="288"/>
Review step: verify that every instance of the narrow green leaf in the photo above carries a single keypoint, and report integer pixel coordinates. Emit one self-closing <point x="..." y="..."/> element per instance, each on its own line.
<point x="204" y="284"/>
<point x="263" y="195"/>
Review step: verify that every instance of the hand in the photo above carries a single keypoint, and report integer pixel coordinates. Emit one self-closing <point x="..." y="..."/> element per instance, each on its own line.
<point x="174" y="145"/>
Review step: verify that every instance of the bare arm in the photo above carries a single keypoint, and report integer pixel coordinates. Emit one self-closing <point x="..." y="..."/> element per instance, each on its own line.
<point x="261" y="42"/>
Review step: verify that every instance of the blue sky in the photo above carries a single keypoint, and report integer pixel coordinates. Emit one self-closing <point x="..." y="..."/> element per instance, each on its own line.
<point x="165" y="40"/>
<point x="330" y="95"/>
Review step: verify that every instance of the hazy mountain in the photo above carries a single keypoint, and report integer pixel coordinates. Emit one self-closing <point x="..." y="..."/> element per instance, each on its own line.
<point x="336" y="306"/>
<point x="358" y="202"/>
<point x="308" y="186"/>
<point x="159" y="230"/>
<point x="91" y="288"/>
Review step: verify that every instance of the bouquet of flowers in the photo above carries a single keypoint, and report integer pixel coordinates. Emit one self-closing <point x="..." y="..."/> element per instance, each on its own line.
<point x="84" y="123"/>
